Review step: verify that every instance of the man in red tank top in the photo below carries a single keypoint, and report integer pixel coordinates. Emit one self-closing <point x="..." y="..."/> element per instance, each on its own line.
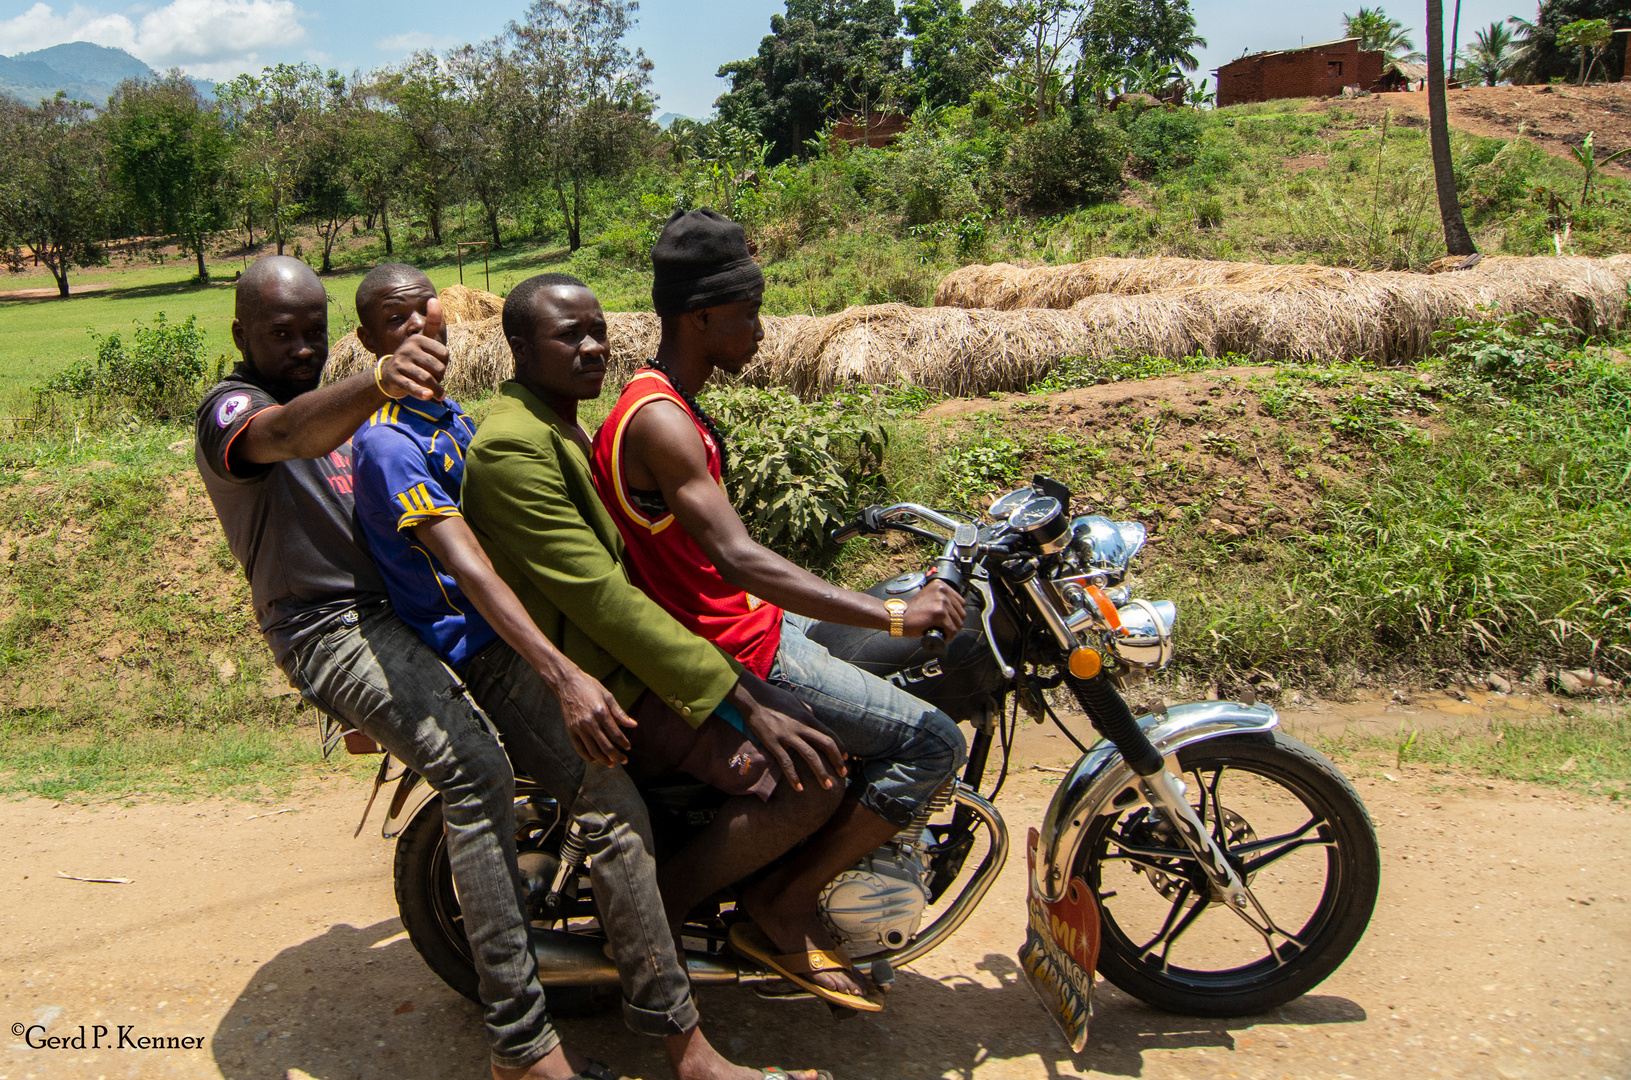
<point x="658" y="462"/>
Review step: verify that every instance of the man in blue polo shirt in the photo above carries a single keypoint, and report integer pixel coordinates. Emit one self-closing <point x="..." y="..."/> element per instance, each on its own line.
<point x="409" y="469"/>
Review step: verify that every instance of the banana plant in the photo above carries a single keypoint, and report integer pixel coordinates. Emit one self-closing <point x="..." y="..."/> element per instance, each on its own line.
<point x="1586" y="155"/>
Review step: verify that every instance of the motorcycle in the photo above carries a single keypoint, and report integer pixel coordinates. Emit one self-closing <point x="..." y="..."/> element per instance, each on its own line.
<point x="1196" y="857"/>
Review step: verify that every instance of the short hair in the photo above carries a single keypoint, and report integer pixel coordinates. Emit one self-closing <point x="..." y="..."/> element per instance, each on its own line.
<point x="381" y="279"/>
<point x="517" y="317"/>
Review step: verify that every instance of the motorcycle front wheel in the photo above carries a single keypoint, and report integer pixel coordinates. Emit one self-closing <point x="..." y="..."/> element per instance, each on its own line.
<point x="1297" y="833"/>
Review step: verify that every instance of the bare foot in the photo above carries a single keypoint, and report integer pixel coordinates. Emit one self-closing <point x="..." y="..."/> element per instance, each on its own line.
<point x="692" y="1057"/>
<point x="794" y="927"/>
<point x="558" y="1064"/>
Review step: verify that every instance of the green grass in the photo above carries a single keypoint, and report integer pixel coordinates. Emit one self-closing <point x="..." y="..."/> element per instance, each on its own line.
<point x="240" y="760"/>
<point x="1589" y="752"/>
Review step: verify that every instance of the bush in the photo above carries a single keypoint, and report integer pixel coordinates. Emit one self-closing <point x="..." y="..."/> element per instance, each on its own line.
<point x="1162" y="139"/>
<point x="797" y="469"/>
<point x="157" y="378"/>
<point x="1064" y="162"/>
<point x="923" y="179"/>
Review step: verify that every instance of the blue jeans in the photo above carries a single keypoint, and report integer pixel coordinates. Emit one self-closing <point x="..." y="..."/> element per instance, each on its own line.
<point x="369" y="669"/>
<point x="616" y="831"/>
<point x="907" y="747"/>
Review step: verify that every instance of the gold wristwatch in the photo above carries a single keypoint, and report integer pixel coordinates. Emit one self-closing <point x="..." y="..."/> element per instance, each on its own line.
<point x="897" y="617"/>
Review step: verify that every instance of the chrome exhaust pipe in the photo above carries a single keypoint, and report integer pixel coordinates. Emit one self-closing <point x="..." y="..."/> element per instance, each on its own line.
<point x="575" y="960"/>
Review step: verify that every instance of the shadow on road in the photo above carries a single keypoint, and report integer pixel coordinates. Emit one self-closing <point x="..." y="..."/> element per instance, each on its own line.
<point x="359" y="1003"/>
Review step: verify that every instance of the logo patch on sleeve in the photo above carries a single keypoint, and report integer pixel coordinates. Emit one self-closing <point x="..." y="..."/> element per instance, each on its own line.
<point x="229" y="409"/>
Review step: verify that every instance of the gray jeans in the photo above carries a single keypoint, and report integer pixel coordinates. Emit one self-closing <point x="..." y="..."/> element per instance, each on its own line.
<point x="907" y="747"/>
<point x="617" y="833"/>
<point x="369" y="669"/>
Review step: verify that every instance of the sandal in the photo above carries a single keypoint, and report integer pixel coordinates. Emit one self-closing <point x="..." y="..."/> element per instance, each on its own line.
<point x="594" y="1070"/>
<point x="773" y="1073"/>
<point x="752" y="942"/>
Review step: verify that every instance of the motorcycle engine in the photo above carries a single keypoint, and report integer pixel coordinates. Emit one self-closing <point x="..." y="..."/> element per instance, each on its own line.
<point x="878" y="904"/>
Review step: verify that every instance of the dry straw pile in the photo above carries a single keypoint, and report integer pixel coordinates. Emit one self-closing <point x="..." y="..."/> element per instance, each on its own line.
<point x="1003" y="327"/>
<point x="480" y="355"/>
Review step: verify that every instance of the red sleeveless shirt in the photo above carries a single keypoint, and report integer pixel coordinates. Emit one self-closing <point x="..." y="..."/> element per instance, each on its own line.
<point x="662" y="559"/>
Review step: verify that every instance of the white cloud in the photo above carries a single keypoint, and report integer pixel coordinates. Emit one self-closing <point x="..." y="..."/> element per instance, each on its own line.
<point x="413" y="41"/>
<point x="207" y="38"/>
<point x="40" y="27"/>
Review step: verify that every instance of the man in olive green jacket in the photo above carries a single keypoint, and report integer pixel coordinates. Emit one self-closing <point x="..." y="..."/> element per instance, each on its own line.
<point x="530" y="499"/>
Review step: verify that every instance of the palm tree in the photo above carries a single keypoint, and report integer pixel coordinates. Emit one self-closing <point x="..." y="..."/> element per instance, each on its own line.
<point x="1377" y="32"/>
<point x="1457" y="240"/>
<point x="1492" y="53"/>
<point x="1525" y="50"/>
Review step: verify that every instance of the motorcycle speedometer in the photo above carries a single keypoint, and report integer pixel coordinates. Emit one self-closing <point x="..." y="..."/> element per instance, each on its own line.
<point x="1003" y="508"/>
<point x="1043" y="518"/>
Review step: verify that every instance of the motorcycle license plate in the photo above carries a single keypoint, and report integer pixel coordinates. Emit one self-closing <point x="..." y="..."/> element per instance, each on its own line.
<point x="1061" y="951"/>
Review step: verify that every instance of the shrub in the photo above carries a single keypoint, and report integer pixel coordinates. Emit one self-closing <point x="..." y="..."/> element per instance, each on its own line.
<point x="1162" y="139"/>
<point x="1064" y="162"/>
<point x="157" y="377"/>
<point x="797" y="469"/>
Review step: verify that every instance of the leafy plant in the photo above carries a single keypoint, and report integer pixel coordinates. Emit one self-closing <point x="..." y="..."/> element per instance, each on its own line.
<point x="156" y="377"/>
<point x="800" y="469"/>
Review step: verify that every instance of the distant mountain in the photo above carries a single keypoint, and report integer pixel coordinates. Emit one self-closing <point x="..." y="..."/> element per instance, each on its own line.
<point x="668" y="118"/>
<point x="87" y="72"/>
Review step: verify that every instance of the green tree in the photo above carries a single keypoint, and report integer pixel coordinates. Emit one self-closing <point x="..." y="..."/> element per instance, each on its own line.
<point x="487" y="125"/>
<point x="814" y="58"/>
<point x="1132" y="32"/>
<point x="1548" y="58"/>
<point x="54" y="188"/>
<point x="169" y="157"/>
<point x="377" y="144"/>
<point x="955" y="52"/>
<point x="274" y="120"/>
<point x="1377" y="32"/>
<point x="584" y="97"/>
<point x="1590" y="37"/>
<point x="1052" y="33"/>
<point x="423" y="95"/>
<point x="1492" y="53"/>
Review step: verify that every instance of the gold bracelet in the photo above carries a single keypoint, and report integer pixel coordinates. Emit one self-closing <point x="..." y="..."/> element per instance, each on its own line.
<point x="379" y="365"/>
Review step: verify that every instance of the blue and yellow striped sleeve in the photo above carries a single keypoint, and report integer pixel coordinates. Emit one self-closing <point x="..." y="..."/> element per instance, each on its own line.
<point x="395" y="488"/>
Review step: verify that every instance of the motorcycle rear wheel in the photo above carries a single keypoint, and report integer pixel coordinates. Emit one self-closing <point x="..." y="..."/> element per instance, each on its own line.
<point x="429" y="908"/>
<point x="1272" y="802"/>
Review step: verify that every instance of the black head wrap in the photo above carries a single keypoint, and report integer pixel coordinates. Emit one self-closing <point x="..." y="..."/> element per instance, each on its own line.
<point x="701" y="259"/>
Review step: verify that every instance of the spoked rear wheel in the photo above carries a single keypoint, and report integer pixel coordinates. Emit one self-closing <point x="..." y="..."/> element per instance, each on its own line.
<point x="1297" y="833"/>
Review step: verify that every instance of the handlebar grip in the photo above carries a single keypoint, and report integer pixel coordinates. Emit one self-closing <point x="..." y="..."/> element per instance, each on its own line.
<point x="847" y="533"/>
<point x="934" y="642"/>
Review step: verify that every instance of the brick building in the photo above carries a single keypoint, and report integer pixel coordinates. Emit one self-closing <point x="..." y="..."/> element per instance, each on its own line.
<point x="884" y="128"/>
<point x="1315" y="71"/>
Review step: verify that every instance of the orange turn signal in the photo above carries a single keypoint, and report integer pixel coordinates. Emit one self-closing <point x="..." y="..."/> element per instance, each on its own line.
<point x="1085" y="663"/>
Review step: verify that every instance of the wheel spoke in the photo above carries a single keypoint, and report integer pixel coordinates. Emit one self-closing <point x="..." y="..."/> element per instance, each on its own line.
<point x="1151" y="857"/>
<point x="1177" y="921"/>
<point x="1217" y="808"/>
<point x="1277" y="846"/>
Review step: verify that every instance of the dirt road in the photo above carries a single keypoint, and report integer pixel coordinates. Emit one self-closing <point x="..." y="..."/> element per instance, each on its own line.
<point x="1501" y="948"/>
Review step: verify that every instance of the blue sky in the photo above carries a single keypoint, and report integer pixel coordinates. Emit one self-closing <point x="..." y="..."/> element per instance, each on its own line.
<point x="687" y="40"/>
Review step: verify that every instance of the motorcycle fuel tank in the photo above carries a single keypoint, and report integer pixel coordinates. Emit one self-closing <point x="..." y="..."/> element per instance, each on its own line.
<point x="963" y="683"/>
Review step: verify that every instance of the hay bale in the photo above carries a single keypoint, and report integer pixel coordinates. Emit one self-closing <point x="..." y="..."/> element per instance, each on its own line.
<point x="1007" y="287"/>
<point x="953" y="350"/>
<point x="464" y="305"/>
<point x="480" y="356"/>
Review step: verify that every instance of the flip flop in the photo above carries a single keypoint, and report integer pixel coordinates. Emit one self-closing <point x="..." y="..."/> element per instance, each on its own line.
<point x="774" y="1073"/>
<point x="752" y="942"/>
<point x="594" y="1070"/>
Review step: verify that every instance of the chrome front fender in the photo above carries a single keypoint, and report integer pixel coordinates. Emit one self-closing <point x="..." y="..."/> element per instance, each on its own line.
<point x="1102" y="783"/>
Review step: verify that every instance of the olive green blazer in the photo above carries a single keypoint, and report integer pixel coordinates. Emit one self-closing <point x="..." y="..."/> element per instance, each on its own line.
<point x="529" y="497"/>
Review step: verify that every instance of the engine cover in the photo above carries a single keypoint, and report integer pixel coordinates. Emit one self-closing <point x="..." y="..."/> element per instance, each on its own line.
<point x="878" y="904"/>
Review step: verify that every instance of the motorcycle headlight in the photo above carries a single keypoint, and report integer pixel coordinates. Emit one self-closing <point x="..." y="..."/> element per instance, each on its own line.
<point x="1147" y="638"/>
